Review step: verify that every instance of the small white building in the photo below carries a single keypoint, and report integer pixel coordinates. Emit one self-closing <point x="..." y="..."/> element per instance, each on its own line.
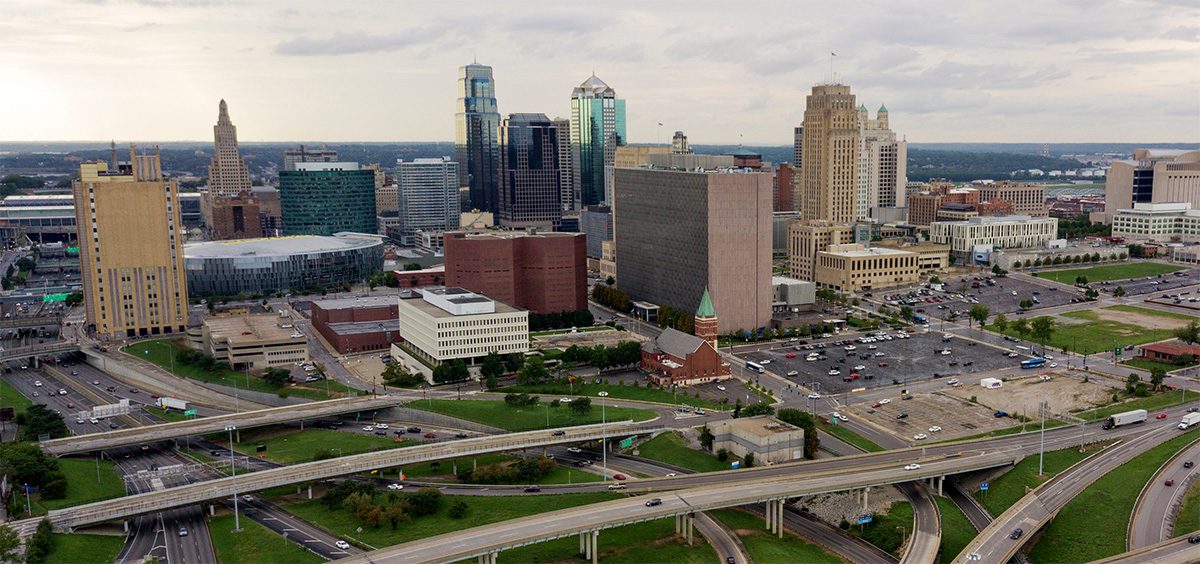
<point x="439" y="324"/>
<point x="991" y="383"/>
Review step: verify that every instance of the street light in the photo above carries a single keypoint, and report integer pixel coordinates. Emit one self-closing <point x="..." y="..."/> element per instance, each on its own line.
<point x="237" y="526"/>
<point x="604" y="433"/>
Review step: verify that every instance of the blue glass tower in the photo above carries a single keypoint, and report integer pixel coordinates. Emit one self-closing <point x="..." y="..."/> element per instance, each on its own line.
<point x="597" y="129"/>
<point x="476" y="145"/>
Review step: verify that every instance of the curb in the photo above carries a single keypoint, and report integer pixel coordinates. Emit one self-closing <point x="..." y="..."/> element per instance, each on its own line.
<point x="1137" y="504"/>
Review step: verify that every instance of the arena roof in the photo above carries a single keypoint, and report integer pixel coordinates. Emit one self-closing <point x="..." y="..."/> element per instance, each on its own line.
<point x="280" y="246"/>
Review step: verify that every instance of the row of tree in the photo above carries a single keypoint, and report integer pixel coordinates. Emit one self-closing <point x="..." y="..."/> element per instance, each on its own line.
<point x="25" y="463"/>
<point x="1077" y="259"/>
<point x="560" y="320"/>
<point x="675" y="319"/>
<point x="611" y="297"/>
<point x="528" y="471"/>
<point x="603" y="357"/>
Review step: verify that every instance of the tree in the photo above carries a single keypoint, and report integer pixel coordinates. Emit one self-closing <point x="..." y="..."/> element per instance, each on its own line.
<point x="1189" y="333"/>
<point x="581" y="406"/>
<point x="1119" y="292"/>
<point x="73" y="299"/>
<point x="458" y="509"/>
<point x="425" y="502"/>
<point x="41" y="543"/>
<point x="1020" y="327"/>
<point x="1000" y="322"/>
<point x="533" y="373"/>
<point x="801" y="419"/>
<point x="276" y="376"/>
<point x="10" y="544"/>
<point x="748" y="460"/>
<point x="610" y="280"/>
<point x="491" y="369"/>
<point x="1041" y="329"/>
<point x="979" y="312"/>
<point x="39" y="420"/>
<point x="453" y="371"/>
<point x="706" y="438"/>
<point x="754" y="409"/>
<point x="1026" y="304"/>
<point x="1091" y="294"/>
<point x="396" y="376"/>
<point x="722" y="455"/>
<point x="1157" y="374"/>
<point x="997" y="270"/>
<point x="1131" y="382"/>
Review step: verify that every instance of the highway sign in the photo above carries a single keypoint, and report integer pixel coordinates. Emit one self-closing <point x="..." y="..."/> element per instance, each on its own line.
<point x="983" y="487"/>
<point x="190" y="413"/>
<point x="865" y="518"/>
<point x="735" y="465"/>
<point x="626" y="443"/>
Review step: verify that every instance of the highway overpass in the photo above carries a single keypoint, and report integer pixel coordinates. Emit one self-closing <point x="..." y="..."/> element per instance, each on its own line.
<point x="28" y="322"/>
<point x="35" y="351"/>
<point x="204" y="425"/>
<point x="1172" y="551"/>
<point x="727" y="490"/>
<point x="180" y="496"/>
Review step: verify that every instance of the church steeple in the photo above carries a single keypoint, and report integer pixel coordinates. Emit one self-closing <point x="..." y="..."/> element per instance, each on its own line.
<point x="706" y="320"/>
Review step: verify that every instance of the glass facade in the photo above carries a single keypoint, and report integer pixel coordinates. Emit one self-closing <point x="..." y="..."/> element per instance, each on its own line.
<point x="284" y="265"/>
<point x="476" y="145"/>
<point x="530" y="185"/>
<point x="428" y="197"/>
<point x="327" y="199"/>
<point x="597" y="129"/>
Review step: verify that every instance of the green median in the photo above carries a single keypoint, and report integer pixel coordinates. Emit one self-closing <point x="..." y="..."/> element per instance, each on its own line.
<point x="496" y="413"/>
<point x="254" y="543"/>
<point x="765" y="547"/>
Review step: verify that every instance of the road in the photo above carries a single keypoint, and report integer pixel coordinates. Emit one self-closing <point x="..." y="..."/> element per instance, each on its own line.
<point x="1153" y="518"/>
<point x="160" y="535"/>
<point x="1175" y="551"/>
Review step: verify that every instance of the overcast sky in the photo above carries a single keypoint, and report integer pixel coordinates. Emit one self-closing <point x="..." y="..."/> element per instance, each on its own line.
<point x="948" y="70"/>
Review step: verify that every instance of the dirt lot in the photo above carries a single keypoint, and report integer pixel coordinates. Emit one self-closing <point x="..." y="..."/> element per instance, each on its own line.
<point x="585" y="339"/>
<point x="957" y="416"/>
<point x="1065" y="392"/>
<point x="1142" y="320"/>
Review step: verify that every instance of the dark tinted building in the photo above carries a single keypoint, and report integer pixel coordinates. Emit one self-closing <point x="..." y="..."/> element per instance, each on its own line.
<point x="327" y="198"/>
<point x="530" y="183"/>
<point x="476" y="145"/>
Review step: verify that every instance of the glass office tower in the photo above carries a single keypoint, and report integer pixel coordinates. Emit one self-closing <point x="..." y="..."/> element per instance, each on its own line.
<point x="476" y="145"/>
<point x="530" y="183"/>
<point x="327" y="198"/>
<point x="597" y="129"/>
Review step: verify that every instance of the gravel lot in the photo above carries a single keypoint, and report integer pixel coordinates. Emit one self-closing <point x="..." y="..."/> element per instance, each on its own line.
<point x="1064" y="392"/>
<point x="956" y="416"/>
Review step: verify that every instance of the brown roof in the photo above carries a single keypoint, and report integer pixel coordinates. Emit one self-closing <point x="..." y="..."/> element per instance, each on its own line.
<point x="1172" y="348"/>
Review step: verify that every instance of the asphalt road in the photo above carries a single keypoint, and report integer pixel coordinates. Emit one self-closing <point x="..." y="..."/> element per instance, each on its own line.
<point x="162" y="533"/>
<point x="1153" y="518"/>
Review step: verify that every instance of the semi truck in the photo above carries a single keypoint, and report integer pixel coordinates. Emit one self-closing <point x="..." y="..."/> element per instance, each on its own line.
<point x="172" y="403"/>
<point x="1189" y="420"/>
<point x="1126" y="418"/>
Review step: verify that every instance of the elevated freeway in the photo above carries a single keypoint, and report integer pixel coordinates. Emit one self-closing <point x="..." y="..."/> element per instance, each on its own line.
<point x="734" y="490"/>
<point x="30" y="322"/>
<point x="33" y="351"/>
<point x="1157" y="506"/>
<point x="1172" y="551"/>
<point x="204" y="425"/>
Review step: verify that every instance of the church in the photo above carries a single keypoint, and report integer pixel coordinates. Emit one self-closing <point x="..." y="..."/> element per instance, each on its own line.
<point x="675" y="357"/>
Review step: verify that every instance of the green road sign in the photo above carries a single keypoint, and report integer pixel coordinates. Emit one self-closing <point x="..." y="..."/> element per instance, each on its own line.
<point x="626" y="443"/>
<point x="190" y="412"/>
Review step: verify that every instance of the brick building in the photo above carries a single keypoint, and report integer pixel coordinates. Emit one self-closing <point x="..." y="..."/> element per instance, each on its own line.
<point x="236" y="217"/>
<point x="540" y="272"/>
<point x="354" y="325"/>
<point x="674" y="357"/>
<point x="432" y="276"/>
<point x="784" y="190"/>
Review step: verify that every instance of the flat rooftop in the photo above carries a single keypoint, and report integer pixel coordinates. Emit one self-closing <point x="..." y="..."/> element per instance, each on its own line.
<point x="455" y="297"/>
<point x="867" y="252"/>
<point x="354" y="303"/>
<point x="490" y="234"/>
<point x="763" y="426"/>
<point x="249" y="329"/>
<point x="363" y="327"/>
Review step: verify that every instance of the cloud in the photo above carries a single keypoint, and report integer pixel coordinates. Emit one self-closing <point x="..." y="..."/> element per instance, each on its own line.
<point x="352" y="44"/>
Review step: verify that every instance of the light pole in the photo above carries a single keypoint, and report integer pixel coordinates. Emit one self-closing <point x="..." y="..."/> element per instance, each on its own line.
<point x="1042" y="445"/>
<point x="604" y="433"/>
<point x="237" y="526"/>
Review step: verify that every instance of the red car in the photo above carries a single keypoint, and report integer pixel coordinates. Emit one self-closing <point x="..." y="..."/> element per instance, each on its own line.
<point x="790" y="355"/>
<point x="1161" y="416"/>
<point x="883" y="365"/>
<point x="430" y="436"/>
<point x="620" y="477"/>
<point x="1169" y="483"/>
<point x="877" y="404"/>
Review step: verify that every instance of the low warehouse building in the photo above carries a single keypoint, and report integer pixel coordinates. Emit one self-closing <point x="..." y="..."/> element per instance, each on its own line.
<point x="772" y="441"/>
<point x="353" y="325"/>
<point x="256" y="341"/>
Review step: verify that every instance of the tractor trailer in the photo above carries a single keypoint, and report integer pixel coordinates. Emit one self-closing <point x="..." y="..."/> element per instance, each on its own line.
<point x="172" y="403"/>
<point x="1126" y="418"/>
<point x="1189" y="420"/>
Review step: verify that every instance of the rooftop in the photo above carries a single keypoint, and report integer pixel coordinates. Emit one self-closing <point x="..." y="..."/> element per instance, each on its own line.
<point x="362" y="327"/>
<point x="280" y="246"/>
<point x="854" y="250"/>
<point x="352" y="303"/>
<point x="318" y="166"/>
<point x="253" y="328"/>
<point x="761" y="426"/>
<point x="443" y="302"/>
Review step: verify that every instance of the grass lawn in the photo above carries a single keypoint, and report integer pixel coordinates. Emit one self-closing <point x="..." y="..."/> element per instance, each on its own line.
<point x="849" y="436"/>
<point x="887" y="531"/>
<point x="652" y="541"/>
<point x="498" y="414"/>
<point x="615" y="392"/>
<point x="957" y="531"/>
<point x="568" y="330"/>
<point x="1107" y="272"/>
<point x="77" y="548"/>
<point x="765" y="547"/>
<point x="670" y="448"/>
<point x="168" y="415"/>
<point x="82" y="486"/>
<point x="10" y="397"/>
<point x="1157" y="401"/>
<point x="1097" y="334"/>
<point x="1189" y="514"/>
<point x="443" y="471"/>
<point x="1146" y="364"/>
<point x="482" y="511"/>
<point x="255" y="543"/>
<point x="161" y="351"/>
<point x="293" y="446"/>
<point x="1006" y="489"/>
<point x="1103" y="510"/>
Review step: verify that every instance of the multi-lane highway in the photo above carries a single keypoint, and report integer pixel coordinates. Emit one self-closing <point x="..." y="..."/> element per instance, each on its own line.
<point x="1153" y="519"/>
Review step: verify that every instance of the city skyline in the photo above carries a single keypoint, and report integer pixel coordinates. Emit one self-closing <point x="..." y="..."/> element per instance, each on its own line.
<point x="1071" y="73"/>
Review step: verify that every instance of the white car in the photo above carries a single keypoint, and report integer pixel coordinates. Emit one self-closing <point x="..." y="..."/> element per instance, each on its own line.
<point x="872" y="347"/>
<point x="574" y="450"/>
<point x="850" y="347"/>
<point x="834" y="372"/>
<point x="878" y="354"/>
<point x="1011" y="355"/>
<point x="248" y="498"/>
<point x="1053" y="365"/>
<point x="37" y="383"/>
<point x="913" y="467"/>
<point x="793" y="373"/>
<point x="920" y="436"/>
<point x="93" y="421"/>
<point x="843" y="417"/>
<point x="811" y="357"/>
<point x="885" y="401"/>
<point x="860" y="367"/>
<point x="369" y="428"/>
<point x="79" y="420"/>
<point x="721" y="387"/>
<point x="944" y="352"/>
<point x="814" y="395"/>
<point x="934" y="429"/>
<point x="395" y="487"/>
<point x="381" y="426"/>
<point x="671" y="475"/>
<point x="952" y="382"/>
<point x="765" y="361"/>
<point x="837" y="415"/>
<point x="342" y="545"/>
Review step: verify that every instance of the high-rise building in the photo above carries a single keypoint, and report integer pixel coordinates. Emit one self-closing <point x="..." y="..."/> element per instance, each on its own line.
<point x="595" y="222"/>
<point x="798" y="147"/>
<point x="807" y="238"/>
<point x="679" y="143"/>
<point x="719" y="236"/>
<point x="542" y="272"/>
<point x="883" y="165"/>
<point x="476" y="137"/>
<point x="131" y="248"/>
<point x="306" y="155"/>
<point x="387" y="198"/>
<point x="1152" y="176"/>
<point x="323" y="198"/>
<point x="428" y="197"/>
<point x="784" y="184"/>
<point x="236" y="217"/>
<point x="597" y="129"/>
<point x="227" y="173"/>
<point x="566" y="166"/>
<point x="530" y="186"/>
<point x="831" y="147"/>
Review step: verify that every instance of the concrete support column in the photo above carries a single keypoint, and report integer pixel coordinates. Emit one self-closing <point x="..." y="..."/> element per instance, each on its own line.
<point x="770" y="515"/>
<point x="595" y="538"/>
<point x="237" y="435"/>
<point x="212" y="510"/>
<point x="583" y="550"/>
<point x="125" y="523"/>
<point x="480" y="560"/>
<point x="779" y="518"/>
<point x="492" y="557"/>
<point x="941" y="481"/>
<point x="310" y="491"/>
<point x="865" y="500"/>
<point x="690" y="522"/>
<point x="677" y="524"/>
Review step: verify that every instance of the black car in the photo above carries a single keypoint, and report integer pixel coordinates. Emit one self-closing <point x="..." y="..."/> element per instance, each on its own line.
<point x="460" y="435"/>
<point x="1016" y="534"/>
<point x="414" y="429"/>
<point x="398" y="432"/>
<point x="533" y="489"/>
<point x="653" y="502"/>
<point x="1189" y="464"/>
<point x="1194" y="539"/>
<point x="902" y="415"/>
<point x="558" y="433"/>
<point x="381" y="433"/>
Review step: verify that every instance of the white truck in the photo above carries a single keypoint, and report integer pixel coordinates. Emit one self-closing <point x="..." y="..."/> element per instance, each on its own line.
<point x="172" y="403"/>
<point x="1126" y="418"/>
<point x="1189" y="420"/>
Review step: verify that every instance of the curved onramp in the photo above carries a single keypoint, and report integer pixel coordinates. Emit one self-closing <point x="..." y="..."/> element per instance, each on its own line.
<point x="1153" y="518"/>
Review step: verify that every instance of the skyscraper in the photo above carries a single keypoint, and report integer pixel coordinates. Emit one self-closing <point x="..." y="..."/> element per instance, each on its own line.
<point x="306" y="155"/>
<point x="566" y="166"/>
<point x="831" y="147"/>
<point x="530" y="186"/>
<point x="326" y="198"/>
<point x="883" y="164"/>
<point x="131" y="245"/>
<point x="597" y="129"/>
<point x="428" y="197"/>
<point x="476" y="145"/>
<point x="227" y="173"/>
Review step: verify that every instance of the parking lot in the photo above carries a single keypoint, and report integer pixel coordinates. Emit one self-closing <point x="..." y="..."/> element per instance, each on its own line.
<point x="933" y="417"/>
<point x="881" y="362"/>
<point x="1064" y="391"/>
<point x="1148" y="284"/>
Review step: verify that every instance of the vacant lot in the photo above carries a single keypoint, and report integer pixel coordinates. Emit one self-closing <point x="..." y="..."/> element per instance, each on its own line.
<point x="1093" y="331"/>
<point x="955" y="415"/>
<point x="542" y="416"/>
<point x="1110" y="272"/>
<point x="1021" y="396"/>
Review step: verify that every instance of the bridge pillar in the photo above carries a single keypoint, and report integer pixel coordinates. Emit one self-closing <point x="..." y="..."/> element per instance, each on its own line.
<point x="941" y="481"/>
<point x="583" y="548"/>
<point x="779" y="517"/>
<point x="212" y="510"/>
<point x="865" y="501"/>
<point x="677" y="524"/>
<point x="480" y="559"/>
<point x="125" y="525"/>
<point x="767" y="513"/>
<point x="310" y="491"/>
<point x="690" y="519"/>
<point x="595" y="538"/>
<point x="492" y="557"/>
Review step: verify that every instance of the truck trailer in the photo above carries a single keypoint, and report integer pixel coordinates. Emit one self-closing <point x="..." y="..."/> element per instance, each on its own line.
<point x="1126" y="418"/>
<point x="172" y="403"/>
<point x="1189" y="420"/>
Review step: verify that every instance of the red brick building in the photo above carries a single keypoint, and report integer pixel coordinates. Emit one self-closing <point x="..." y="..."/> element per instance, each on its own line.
<point x="783" y="188"/>
<point x="434" y="276"/>
<point x="1168" y="351"/>
<point x="674" y="357"/>
<point x="353" y="325"/>
<point x="540" y="272"/>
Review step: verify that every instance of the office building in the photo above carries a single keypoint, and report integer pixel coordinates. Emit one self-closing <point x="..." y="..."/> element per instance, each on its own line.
<point x="1158" y="223"/>
<point x="236" y="217"/>
<point x="308" y="155"/>
<point x="387" y="197"/>
<point x="597" y="129"/>
<point x="883" y="165"/>
<point x="993" y="233"/>
<point x="596" y="223"/>
<point x="634" y="156"/>
<point x="688" y="161"/>
<point x="1152" y="176"/>
<point x="807" y="238"/>
<point x="679" y="144"/>
<point x="427" y="197"/>
<point x="269" y="209"/>
<point x="797" y="148"/>
<point x="530" y="186"/>
<point x="354" y="325"/>
<point x="542" y="272"/>
<point x="792" y="295"/>
<point x="227" y="173"/>
<point x="855" y="268"/>
<point x="323" y="198"/>
<point x="931" y="257"/>
<point x="476" y="137"/>
<point x="566" y="166"/>
<point x="923" y="206"/>
<point x="718" y="236"/>
<point x="254" y="342"/>
<point x="770" y="440"/>
<point x="829" y="187"/>
<point x="281" y="264"/>
<point x="443" y="324"/>
<point x="784" y="188"/>
<point x="608" y="260"/>
<point x="130" y="248"/>
<point x="1026" y="199"/>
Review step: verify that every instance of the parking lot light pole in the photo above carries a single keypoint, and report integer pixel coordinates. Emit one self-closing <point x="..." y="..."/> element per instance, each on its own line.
<point x="1042" y="445"/>
<point x="237" y="526"/>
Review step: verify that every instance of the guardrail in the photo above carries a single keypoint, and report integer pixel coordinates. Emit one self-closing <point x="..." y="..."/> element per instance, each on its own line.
<point x="1137" y="504"/>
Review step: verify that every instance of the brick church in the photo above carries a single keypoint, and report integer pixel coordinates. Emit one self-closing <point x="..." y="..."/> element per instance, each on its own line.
<point x="675" y="357"/>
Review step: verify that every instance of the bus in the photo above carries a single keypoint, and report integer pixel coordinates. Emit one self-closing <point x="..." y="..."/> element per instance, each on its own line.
<point x="755" y="367"/>
<point x="1033" y="363"/>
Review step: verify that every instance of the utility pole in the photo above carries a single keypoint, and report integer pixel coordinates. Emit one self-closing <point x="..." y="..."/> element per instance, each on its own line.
<point x="233" y="468"/>
<point x="1042" y="445"/>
